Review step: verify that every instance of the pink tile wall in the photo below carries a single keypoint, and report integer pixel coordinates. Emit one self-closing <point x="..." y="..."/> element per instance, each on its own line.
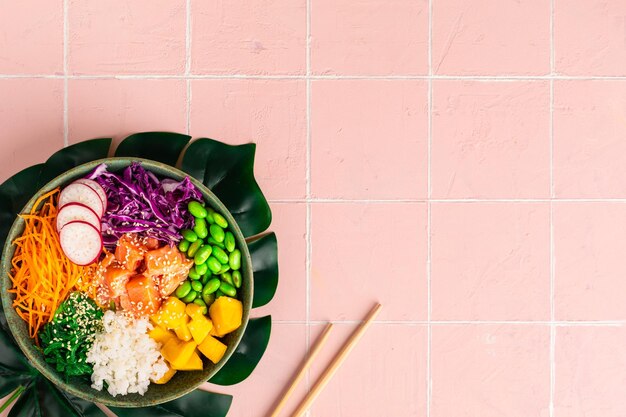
<point x="459" y="161"/>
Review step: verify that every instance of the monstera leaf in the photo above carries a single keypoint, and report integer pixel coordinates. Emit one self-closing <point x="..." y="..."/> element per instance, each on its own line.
<point x="229" y="172"/>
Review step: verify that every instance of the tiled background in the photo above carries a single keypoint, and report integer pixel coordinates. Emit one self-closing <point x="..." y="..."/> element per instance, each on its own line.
<point x="461" y="161"/>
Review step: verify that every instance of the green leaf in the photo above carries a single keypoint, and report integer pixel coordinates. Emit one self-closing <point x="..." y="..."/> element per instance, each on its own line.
<point x="229" y="172"/>
<point x="197" y="403"/>
<point x="159" y="146"/>
<point x="82" y="407"/>
<point x="72" y="156"/>
<point x="264" y="253"/>
<point x="248" y="353"/>
<point x="27" y="405"/>
<point x="14" y="194"/>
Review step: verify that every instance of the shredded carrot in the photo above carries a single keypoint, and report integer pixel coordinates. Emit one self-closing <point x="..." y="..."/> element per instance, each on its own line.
<point x="42" y="275"/>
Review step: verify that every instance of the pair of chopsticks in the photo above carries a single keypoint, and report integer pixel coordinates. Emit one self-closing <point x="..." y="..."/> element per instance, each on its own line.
<point x="329" y="371"/>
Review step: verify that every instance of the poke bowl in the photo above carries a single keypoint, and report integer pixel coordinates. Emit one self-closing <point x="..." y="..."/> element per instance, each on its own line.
<point x="126" y="282"/>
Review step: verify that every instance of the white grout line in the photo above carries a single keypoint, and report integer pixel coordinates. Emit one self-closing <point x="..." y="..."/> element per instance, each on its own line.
<point x="308" y="192"/>
<point x="552" y="194"/>
<point x="188" y="62"/>
<point x="65" y="74"/>
<point x="429" y="378"/>
<point x="559" y="323"/>
<point x="442" y="201"/>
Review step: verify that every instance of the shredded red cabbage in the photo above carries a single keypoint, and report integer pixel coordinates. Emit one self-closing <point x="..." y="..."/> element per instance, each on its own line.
<point x="138" y="202"/>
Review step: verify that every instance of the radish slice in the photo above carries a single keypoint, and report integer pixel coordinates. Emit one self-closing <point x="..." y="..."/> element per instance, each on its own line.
<point x="81" y="242"/>
<point x="76" y="211"/>
<point x="97" y="188"/>
<point x="83" y="194"/>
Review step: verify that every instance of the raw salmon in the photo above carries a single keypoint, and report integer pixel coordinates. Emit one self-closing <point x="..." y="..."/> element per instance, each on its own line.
<point x="130" y="251"/>
<point x="169" y="266"/>
<point x="143" y="295"/>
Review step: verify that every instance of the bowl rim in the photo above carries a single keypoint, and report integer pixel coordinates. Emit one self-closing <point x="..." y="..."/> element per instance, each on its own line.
<point x="29" y="349"/>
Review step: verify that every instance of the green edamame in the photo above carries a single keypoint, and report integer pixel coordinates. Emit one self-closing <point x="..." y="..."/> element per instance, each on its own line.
<point x="201" y="269"/>
<point x="202" y="304"/>
<point x="193" y="248"/>
<point x="229" y="241"/>
<point x="211" y="286"/>
<point x="197" y="210"/>
<point x="196" y="286"/>
<point x="193" y="274"/>
<point x="183" y="245"/>
<point x="214" y="265"/>
<point x="202" y="255"/>
<point x="190" y="297"/>
<point x="189" y="235"/>
<point x="218" y="294"/>
<point x="228" y="289"/>
<point x="217" y="233"/>
<point x="234" y="260"/>
<point x="227" y="277"/>
<point x="209" y="217"/>
<point x="183" y="289"/>
<point x="220" y="220"/>
<point x="237" y="279"/>
<point x="200" y="228"/>
<point x="225" y="268"/>
<point x="220" y="255"/>
<point x="206" y="277"/>
<point x="208" y="298"/>
<point x="214" y="242"/>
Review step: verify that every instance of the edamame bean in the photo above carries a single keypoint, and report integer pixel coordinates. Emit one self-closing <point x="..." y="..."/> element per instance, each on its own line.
<point x="229" y="241"/>
<point x="201" y="269"/>
<point x="183" y="289"/>
<point x="214" y="265"/>
<point x="206" y="277"/>
<point x="211" y="286"/>
<point x="217" y="233"/>
<point x="214" y="242"/>
<point x="183" y="245"/>
<point x="225" y="268"/>
<point x="193" y="248"/>
<point x="196" y="286"/>
<point x="193" y="274"/>
<point x="234" y="260"/>
<point x="197" y="210"/>
<point x="202" y="304"/>
<point x="220" y="255"/>
<point x="208" y="298"/>
<point x="237" y="279"/>
<point x="227" y="277"/>
<point x="220" y="220"/>
<point x="218" y="294"/>
<point x="189" y="297"/>
<point x="200" y="228"/>
<point x="189" y="235"/>
<point x="228" y="289"/>
<point x="209" y="217"/>
<point x="202" y="255"/>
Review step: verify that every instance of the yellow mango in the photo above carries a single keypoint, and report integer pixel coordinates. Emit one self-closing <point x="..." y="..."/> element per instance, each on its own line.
<point x="167" y="376"/>
<point x="177" y="353"/>
<point x="171" y="313"/>
<point x="194" y="310"/>
<point x="182" y="331"/>
<point x="199" y="327"/>
<point x="226" y="314"/>
<point x="160" y="335"/>
<point x="193" y="364"/>
<point x="212" y="348"/>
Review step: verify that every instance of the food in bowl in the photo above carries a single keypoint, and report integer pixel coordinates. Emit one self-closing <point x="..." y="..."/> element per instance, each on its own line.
<point x="127" y="278"/>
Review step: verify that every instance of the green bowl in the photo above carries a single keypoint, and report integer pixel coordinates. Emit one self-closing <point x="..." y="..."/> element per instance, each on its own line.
<point x="183" y="382"/>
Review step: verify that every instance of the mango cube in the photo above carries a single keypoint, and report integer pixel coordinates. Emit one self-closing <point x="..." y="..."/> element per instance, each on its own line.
<point x="182" y="331"/>
<point x="193" y="364"/>
<point x="160" y="335"/>
<point x="212" y="348"/>
<point x="171" y="313"/>
<point x="178" y="353"/>
<point x="194" y="310"/>
<point x="166" y="377"/>
<point x="226" y="314"/>
<point x="199" y="327"/>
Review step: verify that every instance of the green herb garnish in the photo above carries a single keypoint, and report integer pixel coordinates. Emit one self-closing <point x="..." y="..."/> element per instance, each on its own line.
<point x="66" y="340"/>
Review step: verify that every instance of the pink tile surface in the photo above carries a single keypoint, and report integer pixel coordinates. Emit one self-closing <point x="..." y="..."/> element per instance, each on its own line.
<point x="248" y="37"/>
<point x="368" y="252"/>
<point x="590" y="372"/>
<point x="589" y="37"/>
<point x="490" y="261"/>
<point x="270" y="113"/>
<point x="31" y="41"/>
<point x="589" y="255"/>
<point x="491" y="37"/>
<point x="490" y="139"/>
<point x="589" y="146"/>
<point x="122" y="37"/>
<point x="23" y="142"/>
<point x="490" y="371"/>
<point x="372" y="136"/>
<point x="368" y="37"/>
<point x="391" y="358"/>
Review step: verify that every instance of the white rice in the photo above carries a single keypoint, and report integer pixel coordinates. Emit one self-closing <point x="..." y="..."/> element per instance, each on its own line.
<point x="124" y="356"/>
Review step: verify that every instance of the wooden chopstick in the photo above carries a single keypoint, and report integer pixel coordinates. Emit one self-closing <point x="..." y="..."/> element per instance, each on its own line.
<point x="321" y="340"/>
<point x="336" y="362"/>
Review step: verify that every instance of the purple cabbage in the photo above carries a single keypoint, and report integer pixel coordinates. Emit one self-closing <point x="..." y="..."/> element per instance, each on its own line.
<point x="138" y="202"/>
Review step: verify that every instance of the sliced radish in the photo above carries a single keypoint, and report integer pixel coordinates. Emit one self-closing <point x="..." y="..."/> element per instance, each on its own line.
<point x="83" y="194"/>
<point x="96" y="187"/>
<point x="72" y="212"/>
<point x="81" y="242"/>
